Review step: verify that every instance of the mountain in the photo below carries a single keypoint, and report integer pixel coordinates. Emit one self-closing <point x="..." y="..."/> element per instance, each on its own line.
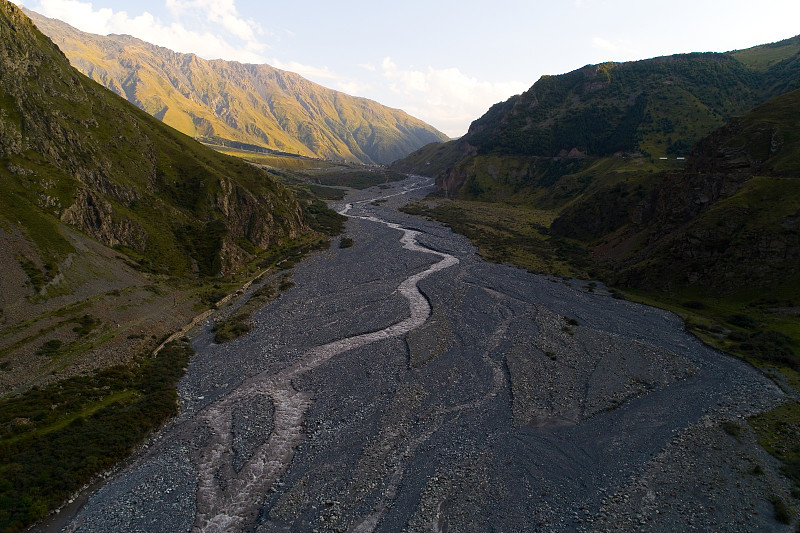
<point x="657" y="108"/>
<point x="254" y="104"/>
<point x="730" y="220"/>
<point x="109" y="218"/>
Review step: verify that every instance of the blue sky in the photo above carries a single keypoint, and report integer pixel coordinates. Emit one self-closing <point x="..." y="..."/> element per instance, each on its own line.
<point x="443" y="61"/>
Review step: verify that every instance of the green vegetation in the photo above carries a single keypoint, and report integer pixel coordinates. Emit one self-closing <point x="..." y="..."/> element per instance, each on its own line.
<point x="327" y="193"/>
<point x="782" y="513"/>
<point x="234" y="326"/>
<point x="508" y="234"/>
<point x="85" y="325"/>
<point x="38" y="278"/>
<point x="50" y="348"/>
<point x="54" y="440"/>
<point x="765" y="56"/>
<point x="778" y="431"/>
<point x="353" y="177"/>
<point x="345" y="242"/>
<point x="238" y="323"/>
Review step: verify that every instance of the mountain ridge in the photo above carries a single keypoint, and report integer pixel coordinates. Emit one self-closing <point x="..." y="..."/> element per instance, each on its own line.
<point x="255" y="104"/>
<point x="656" y="107"/>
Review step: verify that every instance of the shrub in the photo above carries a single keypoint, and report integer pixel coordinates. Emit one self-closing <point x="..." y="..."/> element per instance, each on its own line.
<point x="742" y="321"/>
<point x="50" y="348"/>
<point x="693" y="304"/>
<point x="782" y="513"/>
<point x="230" y="328"/>
<point x="69" y="434"/>
<point x="731" y="428"/>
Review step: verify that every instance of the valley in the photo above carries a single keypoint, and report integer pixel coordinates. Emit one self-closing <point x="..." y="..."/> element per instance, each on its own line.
<point x="516" y="402"/>
<point x="226" y="304"/>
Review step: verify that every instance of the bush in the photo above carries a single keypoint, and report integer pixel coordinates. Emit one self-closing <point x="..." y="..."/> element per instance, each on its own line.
<point x="693" y="304"/>
<point x="782" y="513"/>
<point x="230" y="328"/>
<point x="86" y="324"/>
<point x="50" y="348"/>
<point x="771" y="346"/>
<point x="731" y="428"/>
<point x="742" y="321"/>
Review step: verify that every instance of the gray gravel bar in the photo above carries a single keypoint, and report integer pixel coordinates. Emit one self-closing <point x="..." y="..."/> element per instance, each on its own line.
<point x="404" y="384"/>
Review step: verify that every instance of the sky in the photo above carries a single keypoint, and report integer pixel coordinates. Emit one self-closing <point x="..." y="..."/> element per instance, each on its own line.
<point x="445" y="62"/>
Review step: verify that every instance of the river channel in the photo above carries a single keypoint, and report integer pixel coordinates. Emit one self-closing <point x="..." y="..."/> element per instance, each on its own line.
<point x="404" y="384"/>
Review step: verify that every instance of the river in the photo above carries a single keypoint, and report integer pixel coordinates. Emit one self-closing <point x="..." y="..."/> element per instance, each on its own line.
<point x="405" y="384"/>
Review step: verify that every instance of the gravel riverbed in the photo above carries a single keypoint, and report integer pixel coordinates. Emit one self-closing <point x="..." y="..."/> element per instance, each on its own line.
<point x="500" y="401"/>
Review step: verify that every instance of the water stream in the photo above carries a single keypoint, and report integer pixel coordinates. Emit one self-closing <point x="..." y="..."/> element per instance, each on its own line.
<point x="228" y="500"/>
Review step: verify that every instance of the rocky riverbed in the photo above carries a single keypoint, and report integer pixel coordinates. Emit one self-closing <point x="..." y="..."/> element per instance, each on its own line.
<point x="404" y="384"/>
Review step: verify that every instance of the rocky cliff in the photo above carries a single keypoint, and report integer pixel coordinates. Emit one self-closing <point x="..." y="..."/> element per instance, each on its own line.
<point x="728" y="221"/>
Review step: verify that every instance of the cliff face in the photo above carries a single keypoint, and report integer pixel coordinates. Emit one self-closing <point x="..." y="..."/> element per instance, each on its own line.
<point x="72" y="151"/>
<point x="255" y="104"/>
<point x="729" y="220"/>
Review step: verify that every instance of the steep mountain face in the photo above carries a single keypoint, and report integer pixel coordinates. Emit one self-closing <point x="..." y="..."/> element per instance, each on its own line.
<point x="729" y="220"/>
<point x="88" y="158"/>
<point x="657" y="107"/>
<point x="100" y="202"/>
<point x="255" y="104"/>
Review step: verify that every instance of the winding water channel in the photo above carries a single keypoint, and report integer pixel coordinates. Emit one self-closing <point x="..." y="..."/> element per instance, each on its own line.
<point x="234" y="504"/>
<point x="405" y="384"/>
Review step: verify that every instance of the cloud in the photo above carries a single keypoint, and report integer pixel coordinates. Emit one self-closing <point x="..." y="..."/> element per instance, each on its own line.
<point x="352" y="87"/>
<point x="619" y="47"/>
<point x="221" y="12"/>
<point x="238" y="42"/>
<point x="307" y="71"/>
<point x="446" y="97"/>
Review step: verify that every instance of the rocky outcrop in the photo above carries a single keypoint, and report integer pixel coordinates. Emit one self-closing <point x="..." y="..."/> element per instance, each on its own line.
<point x="729" y="220"/>
<point x="95" y="216"/>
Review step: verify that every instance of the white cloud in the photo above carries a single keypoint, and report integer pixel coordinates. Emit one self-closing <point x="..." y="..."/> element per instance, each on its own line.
<point x="202" y="40"/>
<point x="324" y="76"/>
<point x="307" y="71"/>
<point x="221" y="12"/>
<point x="352" y="87"/>
<point x="618" y="47"/>
<point x="446" y="97"/>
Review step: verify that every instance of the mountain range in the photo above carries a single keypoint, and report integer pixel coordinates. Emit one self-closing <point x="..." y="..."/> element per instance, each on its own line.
<point x="229" y="101"/>
<point x="627" y="157"/>
<point x="656" y="107"/>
